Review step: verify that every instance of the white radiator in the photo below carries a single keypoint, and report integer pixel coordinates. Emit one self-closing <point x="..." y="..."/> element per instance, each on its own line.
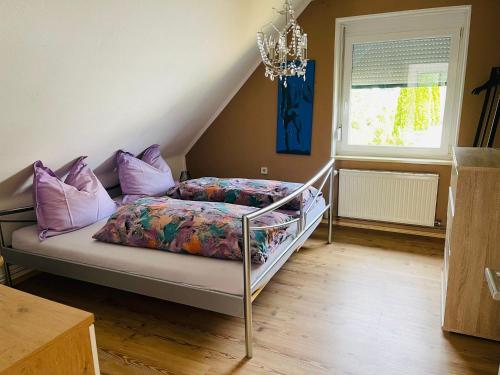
<point x="399" y="197"/>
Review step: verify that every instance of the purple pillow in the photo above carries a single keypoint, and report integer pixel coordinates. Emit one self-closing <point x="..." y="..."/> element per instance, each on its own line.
<point x="146" y="175"/>
<point x="63" y="207"/>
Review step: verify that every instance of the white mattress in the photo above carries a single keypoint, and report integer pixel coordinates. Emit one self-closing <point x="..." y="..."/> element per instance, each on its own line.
<point x="224" y="276"/>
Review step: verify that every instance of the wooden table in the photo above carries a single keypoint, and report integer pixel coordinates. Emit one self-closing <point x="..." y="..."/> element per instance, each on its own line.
<point x="38" y="336"/>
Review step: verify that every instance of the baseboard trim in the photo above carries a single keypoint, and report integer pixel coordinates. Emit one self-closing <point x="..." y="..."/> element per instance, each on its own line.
<point x="391" y="227"/>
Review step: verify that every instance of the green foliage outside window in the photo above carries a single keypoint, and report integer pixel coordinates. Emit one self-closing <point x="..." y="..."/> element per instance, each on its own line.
<point x="417" y="106"/>
<point x="408" y="116"/>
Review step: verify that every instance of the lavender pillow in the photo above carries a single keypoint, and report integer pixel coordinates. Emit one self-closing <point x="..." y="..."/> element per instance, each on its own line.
<point x="146" y="175"/>
<point x="63" y="207"/>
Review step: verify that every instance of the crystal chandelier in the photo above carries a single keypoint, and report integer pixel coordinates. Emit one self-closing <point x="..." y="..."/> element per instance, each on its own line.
<point x="284" y="52"/>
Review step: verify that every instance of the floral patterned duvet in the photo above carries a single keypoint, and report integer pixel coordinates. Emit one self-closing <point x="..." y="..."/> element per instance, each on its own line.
<point x="211" y="229"/>
<point x="242" y="191"/>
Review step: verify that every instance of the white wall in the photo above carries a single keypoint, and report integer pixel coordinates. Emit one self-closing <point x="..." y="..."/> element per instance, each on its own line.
<point x="88" y="77"/>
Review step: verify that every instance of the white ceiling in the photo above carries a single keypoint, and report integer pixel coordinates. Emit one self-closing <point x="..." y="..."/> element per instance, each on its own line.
<point x="87" y="77"/>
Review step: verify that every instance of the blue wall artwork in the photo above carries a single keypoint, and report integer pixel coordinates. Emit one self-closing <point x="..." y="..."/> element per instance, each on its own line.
<point x="295" y="109"/>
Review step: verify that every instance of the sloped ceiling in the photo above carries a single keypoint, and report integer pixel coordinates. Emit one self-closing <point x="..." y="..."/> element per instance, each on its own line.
<point x="88" y="77"/>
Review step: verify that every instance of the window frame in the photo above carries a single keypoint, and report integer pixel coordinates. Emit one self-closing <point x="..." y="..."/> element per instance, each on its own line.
<point x="436" y="22"/>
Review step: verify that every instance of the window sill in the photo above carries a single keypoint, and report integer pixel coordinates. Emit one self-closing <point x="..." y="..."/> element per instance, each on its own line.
<point x="382" y="159"/>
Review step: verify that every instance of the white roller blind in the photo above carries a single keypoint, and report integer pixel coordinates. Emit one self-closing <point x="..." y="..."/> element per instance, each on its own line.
<point x="401" y="63"/>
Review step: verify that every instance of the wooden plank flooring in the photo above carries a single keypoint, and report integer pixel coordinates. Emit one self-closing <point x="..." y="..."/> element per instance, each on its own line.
<point x="367" y="304"/>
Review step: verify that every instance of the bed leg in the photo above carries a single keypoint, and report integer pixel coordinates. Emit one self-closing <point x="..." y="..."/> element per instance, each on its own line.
<point x="8" y="277"/>
<point x="247" y="288"/>
<point x="330" y="226"/>
<point x="248" y="331"/>
<point x="330" y="209"/>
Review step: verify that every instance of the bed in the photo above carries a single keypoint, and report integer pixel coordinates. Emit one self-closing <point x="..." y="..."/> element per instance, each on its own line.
<point x="224" y="286"/>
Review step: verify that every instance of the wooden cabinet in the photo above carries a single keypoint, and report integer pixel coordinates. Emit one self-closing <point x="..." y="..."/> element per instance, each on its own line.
<point x="38" y="336"/>
<point x="472" y="243"/>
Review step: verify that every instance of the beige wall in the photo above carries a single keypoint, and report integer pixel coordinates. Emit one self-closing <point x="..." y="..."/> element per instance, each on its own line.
<point x="242" y="138"/>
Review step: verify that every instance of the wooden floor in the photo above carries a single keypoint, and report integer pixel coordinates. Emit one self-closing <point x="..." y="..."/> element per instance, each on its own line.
<point x="367" y="304"/>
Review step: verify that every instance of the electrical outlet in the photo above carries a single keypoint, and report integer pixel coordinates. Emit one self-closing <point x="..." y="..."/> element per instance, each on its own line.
<point x="263" y="170"/>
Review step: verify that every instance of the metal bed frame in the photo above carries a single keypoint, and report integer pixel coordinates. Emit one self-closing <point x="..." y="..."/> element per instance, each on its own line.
<point x="229" y="304"/>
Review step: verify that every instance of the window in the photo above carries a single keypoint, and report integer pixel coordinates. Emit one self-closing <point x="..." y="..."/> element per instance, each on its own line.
<point x="399" y="82"/>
